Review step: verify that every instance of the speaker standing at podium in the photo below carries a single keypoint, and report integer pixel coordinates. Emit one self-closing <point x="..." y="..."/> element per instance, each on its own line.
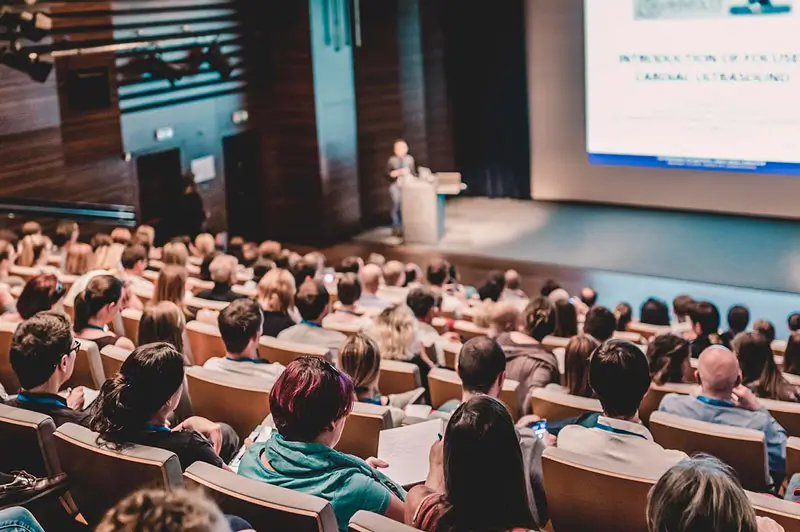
<point x="400" y="165"/>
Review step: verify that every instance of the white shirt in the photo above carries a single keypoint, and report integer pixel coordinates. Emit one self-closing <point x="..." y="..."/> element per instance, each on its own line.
<point x="621" y="441"/>
<point x="303" y="333"/>
<point x="396" y="295"/>
<point x="247" y="367"/>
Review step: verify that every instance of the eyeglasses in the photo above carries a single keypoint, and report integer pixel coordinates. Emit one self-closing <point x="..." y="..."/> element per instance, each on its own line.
<point x="76" y="345"/>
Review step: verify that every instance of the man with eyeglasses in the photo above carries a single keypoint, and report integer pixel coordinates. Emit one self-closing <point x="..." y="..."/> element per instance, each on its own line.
<point x="43" y="357"/>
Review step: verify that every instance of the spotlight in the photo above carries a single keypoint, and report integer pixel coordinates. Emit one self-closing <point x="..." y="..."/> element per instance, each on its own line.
<point x="32" y="25"/>
<point x="30" y="64"/>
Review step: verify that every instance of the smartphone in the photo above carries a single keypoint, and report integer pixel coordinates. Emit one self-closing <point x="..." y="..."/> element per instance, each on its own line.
<point x="540" y="428"/>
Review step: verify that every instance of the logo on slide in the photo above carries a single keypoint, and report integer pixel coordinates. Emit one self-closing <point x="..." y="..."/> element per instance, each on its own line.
<point x="693" y="9"/>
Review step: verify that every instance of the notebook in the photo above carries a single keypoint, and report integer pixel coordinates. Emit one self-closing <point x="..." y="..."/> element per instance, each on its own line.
<point x="406" y="450"/>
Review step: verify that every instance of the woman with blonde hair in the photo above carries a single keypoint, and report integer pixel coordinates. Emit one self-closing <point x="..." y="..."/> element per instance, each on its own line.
<point x="145" y="234"/>
<point x="394" y="330"/>
<point x="204" y="244"/>
<point x="175" y="253"/>
<point x="121" y="235"/>
<point x="171" y="286"/>
<point x="276" y="292"/>
<point x="107" y="253"/>
<point x="80" y="259"/>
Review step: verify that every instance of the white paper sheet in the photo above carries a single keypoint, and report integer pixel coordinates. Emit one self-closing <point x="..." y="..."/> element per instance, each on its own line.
<point x="406" y="450"/>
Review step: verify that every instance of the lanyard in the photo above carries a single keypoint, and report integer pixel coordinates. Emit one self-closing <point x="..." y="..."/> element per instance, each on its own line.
<point x="252" y="360"/>
<point x="619" y="431"/>
<point x="156" y="428"/>
<point x="714" y="402"/>
<point x="311" y="324"/>
<point x="41" y="400"/>
<point x="96" y="328"/>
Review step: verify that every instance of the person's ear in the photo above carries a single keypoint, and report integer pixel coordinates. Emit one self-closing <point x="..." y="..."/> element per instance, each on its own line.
<point x="500" y="380"/>
<point x="697" y="376"/>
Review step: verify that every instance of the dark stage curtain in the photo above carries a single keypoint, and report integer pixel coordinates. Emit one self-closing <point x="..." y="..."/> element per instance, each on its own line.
<point x="485" y="62"/>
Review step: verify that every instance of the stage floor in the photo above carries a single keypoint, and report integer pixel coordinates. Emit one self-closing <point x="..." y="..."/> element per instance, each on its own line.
<point x="635" y="253"/>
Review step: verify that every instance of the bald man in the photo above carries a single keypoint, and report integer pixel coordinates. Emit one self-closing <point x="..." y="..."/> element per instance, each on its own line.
<point x="513" y="288"/>
<point x="725" y="401"/>
<point x="371" y="279"/>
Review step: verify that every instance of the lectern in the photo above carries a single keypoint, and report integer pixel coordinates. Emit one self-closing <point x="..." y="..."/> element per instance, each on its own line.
<point x="423" y="209"/>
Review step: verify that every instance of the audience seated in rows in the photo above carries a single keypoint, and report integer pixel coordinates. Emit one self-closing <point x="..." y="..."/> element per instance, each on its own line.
<point x="702" y="493"/>
<point x="759" y="371"/>
<point x="96" y="308"/>
<point x="276" y="295"/>
<point x="79" y="259"/>
<point x="312" y="302"/>
<point x="135" y="404"/>
<point x="395" y="332"/>
<point x="512" y="291"/>
<point x="654" y="312"/>
<point x="422" y="303"/>
<point x="204" y="245"/>
<point x="566" y="319"/>
<point x="623" y="313"/>
<point x="669" y="360"/>
<point x="8" y="256"/>
<point x="476" y="479"/>
<point x="223" y="273"/>
<point x="43" y="355"/>
<point x="705" y="324"/>
<point x="175" y="510"/>
<point x="726" y="401"/>
<point x="134" y="263"/>
<point x="309" y="405"/>
<point x="66" y="236"/>
<point x="164" y="322"/>
<point x="766" y="329"/>
<point x="240" y="325"/>
<point x="529" y="362"/>
<point x="43" y="292"/>
<point x="348" y="291"/>
<point x="619" y="375"/>
<point x="681" y="308"/>
<point x="394" y="278"/>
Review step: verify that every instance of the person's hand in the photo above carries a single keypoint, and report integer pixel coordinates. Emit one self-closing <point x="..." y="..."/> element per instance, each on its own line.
<point x="765" y="524"/>
<point x="743" y="397"/>
<point x="549" y="440"/>
<point x="76" y="398"/>
<point x="210" y="430"/>
<point x="435" y="480"/>
<point x="528" y="420"/>
<point x="376" y="463"/>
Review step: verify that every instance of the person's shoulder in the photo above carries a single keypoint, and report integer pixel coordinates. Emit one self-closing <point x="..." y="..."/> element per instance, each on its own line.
<point x="215" y="363"/>
<point x="572" y="437"/>
<point x="672" y="400"/>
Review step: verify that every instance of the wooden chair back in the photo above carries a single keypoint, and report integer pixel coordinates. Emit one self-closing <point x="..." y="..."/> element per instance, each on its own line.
<point x="587" y="493"/>
<point x="468" y="330"/>
<point x="205" y="341"/>
<point x="451" y="351"/>
<point x="553" y="404"/>
<point x="792" y="456"/>
<point x="743" y="449"/>
<point x="88" y="370"/>
<point x="785" y="513"/>
<point x="362" y="430"/>
<point x="785" y="413"/>
<point x="7" y="376"/>
<point x="275" y="350"/>
<point x="130" y="323"/>
<point x="242" y="402"/>
<point x="112" y="358"/>
<point x="646" y="330"/>
<point x="656" y="393"/>
<point x="398" y="377"/>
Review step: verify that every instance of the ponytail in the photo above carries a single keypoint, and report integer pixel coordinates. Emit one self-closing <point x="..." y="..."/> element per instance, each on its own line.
<point x="111" y="416"/>
<point x="539" y="318"/>
<point x="82" y="313"/>
<point x="102" y="290"/>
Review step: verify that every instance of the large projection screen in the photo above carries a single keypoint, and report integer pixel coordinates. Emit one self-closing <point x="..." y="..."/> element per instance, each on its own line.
<point x="560" y="160"/>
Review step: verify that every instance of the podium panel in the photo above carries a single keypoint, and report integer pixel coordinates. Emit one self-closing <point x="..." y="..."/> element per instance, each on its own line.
<point x="422" y="212"/>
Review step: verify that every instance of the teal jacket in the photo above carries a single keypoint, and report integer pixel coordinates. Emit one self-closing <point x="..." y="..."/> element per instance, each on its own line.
<point x="345" y="481"/>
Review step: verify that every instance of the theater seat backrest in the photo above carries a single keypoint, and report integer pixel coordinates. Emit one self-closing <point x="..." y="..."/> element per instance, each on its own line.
<point x="398" y="377"/>
<point x="205" y="341"/>
<point x="785" y="513"/>
<point x="112" y="358"/>
<point x="362" y="430"/>
<point x="99" y="476"/>
<point x="742" y="449"/>
<point x="785" y="413"/>
<point x="556" y="404"/>
<point x="130" y="323"/>
<point x="656" y="393"/>
<point x="27" y="442"/>
<point x="242" y="402"/>
<point x="7" y="376"/>
<point x="587" y="493"/>
<point x="88" y="367"/>
<point x="285" y="353"/>
<point x="363" y="521"/>
<point x="445" y="385"/>
<point x="264" y="506"/>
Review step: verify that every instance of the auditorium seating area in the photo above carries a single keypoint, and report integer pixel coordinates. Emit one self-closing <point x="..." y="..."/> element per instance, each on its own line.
<point x="583" y="491"/>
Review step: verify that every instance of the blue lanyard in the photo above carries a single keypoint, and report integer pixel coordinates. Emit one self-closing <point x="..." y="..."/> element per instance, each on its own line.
<point x="251" y="360"/>
<point x="42" y="400"/>
<point x="714" y="402"/>
<point x="96" y="328"/>
<point x="311" y="324"/>
<point x="156" y="428"/>
<point x="619" y="431"/>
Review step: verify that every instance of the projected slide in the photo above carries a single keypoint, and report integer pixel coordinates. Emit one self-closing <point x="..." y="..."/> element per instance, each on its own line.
<point x="711" y="84"/>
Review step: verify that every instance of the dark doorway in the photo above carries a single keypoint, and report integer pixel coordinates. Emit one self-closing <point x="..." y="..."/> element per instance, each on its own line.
<point x="160" y="186"/>
<point x="242" y="188"/>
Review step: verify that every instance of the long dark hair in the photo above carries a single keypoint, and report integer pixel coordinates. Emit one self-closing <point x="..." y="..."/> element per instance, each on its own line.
<point x="791" y="358"/>
<point x="539" y="318"/>
<point x="485" y="483"/>
<point x="667" y="354"/>
<point x="101" y="291"/>
<point x="566" y="319"/>
<point x="759" y="370"/>
<point x="576" y="365"/>
<point x="148" y="378"/>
